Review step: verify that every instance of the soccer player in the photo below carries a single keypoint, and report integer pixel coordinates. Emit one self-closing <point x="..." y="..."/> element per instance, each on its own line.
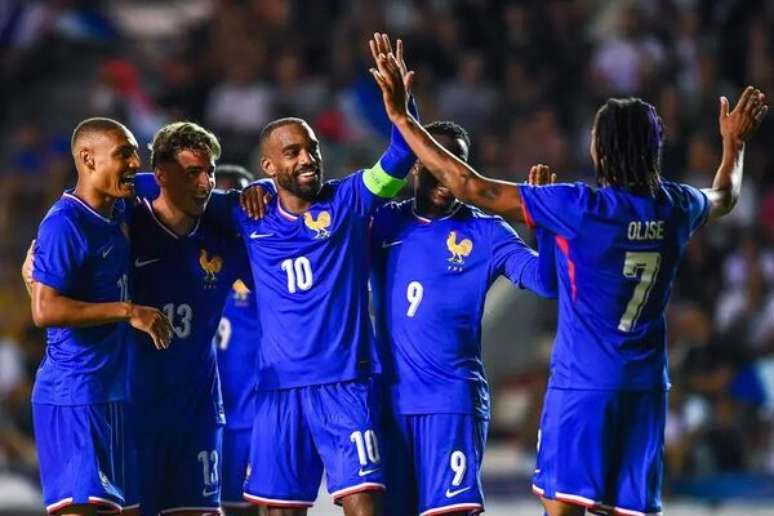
<point x="185" y="265"/>
<point x="80" y="294"/>
<point x="602" y="428"/>
<point x="316" y="399"/>
<point x="434" y="261"/>
<point x="237" y="341"/>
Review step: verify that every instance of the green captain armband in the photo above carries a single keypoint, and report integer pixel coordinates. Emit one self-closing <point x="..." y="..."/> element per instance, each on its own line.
<point x="382" y="184"/>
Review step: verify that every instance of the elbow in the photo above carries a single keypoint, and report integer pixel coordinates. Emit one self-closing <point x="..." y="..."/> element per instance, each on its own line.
<point x="728" y="200"/>
<point x="41" y="314"/>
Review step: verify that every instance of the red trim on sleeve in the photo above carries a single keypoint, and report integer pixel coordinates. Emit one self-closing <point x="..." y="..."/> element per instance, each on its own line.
<point x="564" y="246"/>
<point x="528" y="220"/>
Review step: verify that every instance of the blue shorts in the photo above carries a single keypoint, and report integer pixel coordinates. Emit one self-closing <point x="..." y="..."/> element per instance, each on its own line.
<point x="236" y="454"/>
<point x="435" y="463"/>
<point x="177" y="460"/>
<point x="81" y="453"/>
<point x="602" y="449"/>
<point x="298" y="431"/>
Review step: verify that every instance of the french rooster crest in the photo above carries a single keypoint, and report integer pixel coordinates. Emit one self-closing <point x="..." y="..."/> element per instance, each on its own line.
<point x="459" y="251"/>
<point x="210" y="266"/>
<point x="318" y="225"/>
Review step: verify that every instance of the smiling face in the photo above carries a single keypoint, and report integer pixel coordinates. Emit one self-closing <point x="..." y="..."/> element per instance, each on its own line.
<point x="188" y="180"/>
<point x="291" y="155"/>
<point x="110" y="160"/>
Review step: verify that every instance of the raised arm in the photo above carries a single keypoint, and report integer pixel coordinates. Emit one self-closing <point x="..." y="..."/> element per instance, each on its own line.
<point x="467" y="185"/>
<point x="736" y="128"/>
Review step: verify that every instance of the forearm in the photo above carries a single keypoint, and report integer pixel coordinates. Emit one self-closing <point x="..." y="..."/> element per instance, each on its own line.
<point x="465" y="184"/>
<point x="532" y="278"/>
<point x="55" y="310"/>
<point x="727" y="183"/>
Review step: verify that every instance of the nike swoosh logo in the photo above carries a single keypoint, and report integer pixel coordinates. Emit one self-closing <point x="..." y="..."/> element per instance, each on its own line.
<point x="363" y="473"/>
<point x="143" y="263"/>
<point x="386" y="244"/>
<point x="452" y="494"/>
<point x="255" y="235"/>
<point x="209" y="493"/>
<point x="107" y="251"/>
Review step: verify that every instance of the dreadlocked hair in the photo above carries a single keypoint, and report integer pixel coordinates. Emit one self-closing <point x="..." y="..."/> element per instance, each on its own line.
<point x="178" y="136"/>
<point x="628" y="140"/>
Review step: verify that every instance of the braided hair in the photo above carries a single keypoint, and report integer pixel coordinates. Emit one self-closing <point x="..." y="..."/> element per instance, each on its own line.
<point x="628" y="139"/>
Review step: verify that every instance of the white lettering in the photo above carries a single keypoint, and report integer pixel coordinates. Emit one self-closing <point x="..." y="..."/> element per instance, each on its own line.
<point x="645" y="230"/>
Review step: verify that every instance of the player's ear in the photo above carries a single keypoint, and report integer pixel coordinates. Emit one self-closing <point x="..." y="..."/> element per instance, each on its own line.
<point x="267" y="166"/>
<point x="86" y="157"/>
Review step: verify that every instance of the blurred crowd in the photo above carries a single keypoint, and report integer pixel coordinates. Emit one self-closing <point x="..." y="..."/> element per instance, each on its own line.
<point x="524" y="77"/>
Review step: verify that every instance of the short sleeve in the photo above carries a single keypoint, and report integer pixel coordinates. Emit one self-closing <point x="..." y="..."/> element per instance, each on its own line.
<point x="514" y="259"/>
<point x="60" y="250"/>
<point x="558" y="208"/>
<point x="697" y="206"/>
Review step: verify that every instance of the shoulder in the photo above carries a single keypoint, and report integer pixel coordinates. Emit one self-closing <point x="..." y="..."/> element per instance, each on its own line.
<point x="393" y="209"/>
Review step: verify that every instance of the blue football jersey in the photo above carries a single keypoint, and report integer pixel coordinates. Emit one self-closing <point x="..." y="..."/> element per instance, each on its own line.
<point x="430" y="279"/>
<point x="83" y="256"/>
<point x="311" y="271"/>
<point x="617" y="257"/>
<point x="237" y="339"/>
<point x="188" y="278"/>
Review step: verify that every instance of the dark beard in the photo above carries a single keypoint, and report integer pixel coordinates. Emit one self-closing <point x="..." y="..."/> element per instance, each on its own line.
<point x="308" y="192"/>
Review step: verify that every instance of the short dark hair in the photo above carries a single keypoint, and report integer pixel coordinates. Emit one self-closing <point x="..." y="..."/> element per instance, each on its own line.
<point x="236" y="172"/>
<point x="178" y="136"/>
<point x="276" y="124"/>
<point x="93" y="125"/>
<point x="450" y="129"/>
<point x="629" y="137"/>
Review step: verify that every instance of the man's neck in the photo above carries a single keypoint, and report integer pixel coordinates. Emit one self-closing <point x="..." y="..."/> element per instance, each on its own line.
<point x="171" y="216"/>
<point x="431" y="211"/>
<point x="99" y="202"/>
<point x="293" y="203"/>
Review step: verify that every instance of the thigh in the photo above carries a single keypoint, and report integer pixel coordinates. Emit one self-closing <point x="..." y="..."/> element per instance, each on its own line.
<point x="345" y="422"/>
<point x="81" y="454"/>
<point x="448" y="451"/>
<point x="640" y="465"/>
<point x="193" y="465"/>
<point x="576" y="446"/>
<point x="401" y="496"/>
<point x="236" y="452"/>
<point x="284" y="470"/>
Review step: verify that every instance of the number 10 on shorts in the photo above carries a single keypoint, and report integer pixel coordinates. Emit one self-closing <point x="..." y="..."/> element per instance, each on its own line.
<point x="367" y="446"/>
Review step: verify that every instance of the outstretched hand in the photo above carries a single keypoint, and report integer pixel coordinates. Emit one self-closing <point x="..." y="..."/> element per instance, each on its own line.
<point x="740" y="124"/>
<point x="391" y="75"/>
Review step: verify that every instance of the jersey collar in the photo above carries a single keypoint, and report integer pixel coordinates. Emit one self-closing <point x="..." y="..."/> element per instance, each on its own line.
<point x="425" y="220"/>
<point x="163" y="226"/>
<point x="92" y="211"/>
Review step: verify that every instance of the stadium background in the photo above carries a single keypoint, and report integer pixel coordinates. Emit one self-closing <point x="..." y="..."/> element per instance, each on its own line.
<point x="525" y="79"/>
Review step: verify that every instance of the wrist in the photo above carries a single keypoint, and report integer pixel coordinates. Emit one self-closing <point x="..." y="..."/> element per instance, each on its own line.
<point x="127" y="310"/>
